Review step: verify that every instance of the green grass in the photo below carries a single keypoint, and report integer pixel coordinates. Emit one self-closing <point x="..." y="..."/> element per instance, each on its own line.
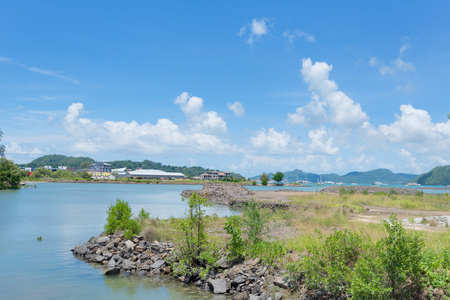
<point x="357" y="201"/>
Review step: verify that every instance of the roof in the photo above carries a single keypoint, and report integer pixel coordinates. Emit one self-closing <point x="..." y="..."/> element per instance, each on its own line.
<point x="144" y="172"/>
<point x="118" y="170"/>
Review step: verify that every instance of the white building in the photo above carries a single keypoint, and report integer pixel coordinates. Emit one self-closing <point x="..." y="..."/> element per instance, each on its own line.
<point x="153" y="174"/>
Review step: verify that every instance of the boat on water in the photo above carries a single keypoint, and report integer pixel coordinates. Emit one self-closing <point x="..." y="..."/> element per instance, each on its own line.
<point x="378" y="183"/>
<point x="413" y="184"/>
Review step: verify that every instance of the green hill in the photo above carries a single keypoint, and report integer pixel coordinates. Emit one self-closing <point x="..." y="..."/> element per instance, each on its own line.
<point x="437" y="176"/>
<point x="56" y="160"/>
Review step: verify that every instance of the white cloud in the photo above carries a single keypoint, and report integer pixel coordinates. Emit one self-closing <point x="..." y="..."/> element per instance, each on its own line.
<point x="296" y="34"/>
<point x="15" y="148"/>
<point x="328" y="103"/>
<point x="198" y="120"/>
<point x="273" y="141"/>
<point x="321" y="143"/>
<point x="312" y="114"/>
<point x="39" y="70"/>
<point x="415" y="126"/>
<point x="237" y="108"/>
<point x="397" y="65"/>
<point x="257" y="28"/>
<point x="165" y="136"/>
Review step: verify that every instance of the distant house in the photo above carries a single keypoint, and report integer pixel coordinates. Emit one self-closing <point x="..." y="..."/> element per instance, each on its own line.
<point x="153" y="174"/>
<point x="62" y="168"/>
<point x="100" y="167"/>
<point x="214" y="175"/>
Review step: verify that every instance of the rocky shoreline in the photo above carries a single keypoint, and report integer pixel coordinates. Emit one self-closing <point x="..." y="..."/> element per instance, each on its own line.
<point x="138" y="257"/>
<point x="221" y="193"/>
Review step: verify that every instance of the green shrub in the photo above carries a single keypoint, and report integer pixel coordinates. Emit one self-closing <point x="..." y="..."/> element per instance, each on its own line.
<point x="368" y="280"/>
<point x="342" y="191"/>
<point x="365" y="192"/>
<point x="253" y="182"/>
<point x="419" y="193"/>
<point x="236" y="244"/>
<point x="400" y="253"/>
<point x="119" y="218"/>
<point x="254" y="221"/>
<point x="329" y="265"/>
<point x="143" y="215"/>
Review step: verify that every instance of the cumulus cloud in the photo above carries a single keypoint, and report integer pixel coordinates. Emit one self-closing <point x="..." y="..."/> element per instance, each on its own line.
<point x="397" y="65"/>
<point x="256" y="29"/>
<point x="271" y="140"/>
<point x="321" y="143"/>
<point x="198" y="120"/>
<point x="237" y="108"/>
<point x="297" y="34"/>
<point x="197" y="135"/>
<point x="328" y="102"/>
<point x="415" y="126"/>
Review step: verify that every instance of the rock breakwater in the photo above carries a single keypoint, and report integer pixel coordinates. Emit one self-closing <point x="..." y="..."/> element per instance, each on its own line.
<point x="138" y="257"/>
<point x="221" y="193"/>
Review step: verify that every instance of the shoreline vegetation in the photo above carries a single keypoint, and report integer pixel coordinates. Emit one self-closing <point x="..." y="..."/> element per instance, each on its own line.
<point x="378" y="245"/>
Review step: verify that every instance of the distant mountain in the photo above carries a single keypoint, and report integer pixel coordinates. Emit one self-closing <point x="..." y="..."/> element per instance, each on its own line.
<point x="57" y="160"/>
<point x="369" y="177"/>
<point x="437" y="176"/>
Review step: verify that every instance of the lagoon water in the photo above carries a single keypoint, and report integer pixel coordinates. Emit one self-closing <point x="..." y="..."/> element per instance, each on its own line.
<point x="68" y="214"/>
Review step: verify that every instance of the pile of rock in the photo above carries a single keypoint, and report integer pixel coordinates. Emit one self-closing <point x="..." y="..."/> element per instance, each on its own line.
<point x="248" y="280"/>
<point x="370" y="189"/>
<point x="128" y="257"/>
<point x="221" y="193"/>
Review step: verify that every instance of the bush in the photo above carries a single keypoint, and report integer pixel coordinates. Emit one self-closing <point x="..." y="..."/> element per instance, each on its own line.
<point x="253" y="182"/>
<point x="330" y="265"/>
<point x="400" y="254"/>
<point x="236" y="244"/>
<point x="119" y="218"/>
<point x="254" y="221"/>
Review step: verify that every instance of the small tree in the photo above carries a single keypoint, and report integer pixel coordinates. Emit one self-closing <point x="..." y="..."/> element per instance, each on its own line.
<point x="192" y="229"/>
<point x="278" y="176"/>
<point x="10" y="174"/>
<point x="264" y="178"/>
<point x="2" y="147"/>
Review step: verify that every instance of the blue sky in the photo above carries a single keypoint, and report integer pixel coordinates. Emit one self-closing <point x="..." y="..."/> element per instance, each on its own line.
<point x="321" y="86"/>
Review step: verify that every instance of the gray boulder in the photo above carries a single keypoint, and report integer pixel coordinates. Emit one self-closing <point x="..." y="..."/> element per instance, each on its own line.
<point x="127" y="264"/>
<point x="219" y="286"/>
<point x="158" y="264"/>
<point x="102" y="240"/>
<point x="240" y="279"/>
<point x="82" y="250"/>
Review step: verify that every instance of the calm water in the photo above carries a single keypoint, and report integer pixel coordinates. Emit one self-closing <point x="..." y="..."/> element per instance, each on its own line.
<point x="66" y="215"/>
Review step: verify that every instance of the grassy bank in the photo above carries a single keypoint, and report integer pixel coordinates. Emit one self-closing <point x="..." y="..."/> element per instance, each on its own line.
<point x="321" y="243"/>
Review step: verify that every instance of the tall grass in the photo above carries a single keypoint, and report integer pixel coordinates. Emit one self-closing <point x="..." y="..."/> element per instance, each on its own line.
<point x="357" y="201"/>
